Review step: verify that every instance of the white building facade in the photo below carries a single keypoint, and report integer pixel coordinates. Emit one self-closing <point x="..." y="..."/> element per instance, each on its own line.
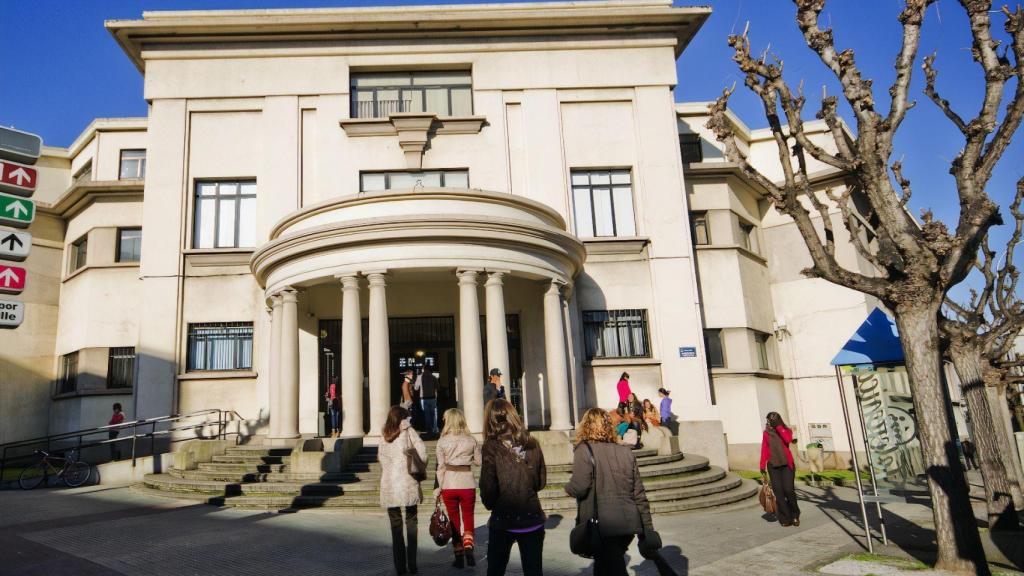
<point x="338" y="195"/>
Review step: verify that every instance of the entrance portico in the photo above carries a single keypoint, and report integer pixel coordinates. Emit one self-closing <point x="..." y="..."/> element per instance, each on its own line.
<point x="471" y="237"/>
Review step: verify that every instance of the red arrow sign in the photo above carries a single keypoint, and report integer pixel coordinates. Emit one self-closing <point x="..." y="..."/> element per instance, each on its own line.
<point x="12" y="279"/>
<point x="17" y="178"/>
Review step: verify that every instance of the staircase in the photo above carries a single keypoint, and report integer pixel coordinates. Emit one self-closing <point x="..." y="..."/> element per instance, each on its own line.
<point x="258" y="477"/>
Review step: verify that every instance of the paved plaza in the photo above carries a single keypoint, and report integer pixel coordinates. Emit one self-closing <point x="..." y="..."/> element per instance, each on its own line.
<point x="116" y="530"/>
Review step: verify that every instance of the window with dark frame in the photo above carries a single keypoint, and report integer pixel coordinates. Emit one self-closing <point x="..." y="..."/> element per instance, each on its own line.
<point x="616" y="333"/>
<point x="689" y="146"/>
<point x="381" y="94"/>
<point x="219" y="346"/>
<point x="714" y="348"/>
<point x="748" y="237"/>
<point x="761" y="342"/>
<point x="133" y="165"/>
<point x="129" y="245"/>
<point x="121" y="367"/>
<point x="374" y="181"/>
<point x="701" y="234"/>
<point x="79" y="253"/>
<point x="68" y="382"/>
<point x="225" y="214"/>
<point x="603" y="203"/>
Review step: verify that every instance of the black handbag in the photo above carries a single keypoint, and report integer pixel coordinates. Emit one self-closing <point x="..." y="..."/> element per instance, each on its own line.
<point x="585" y="537"/>
<point x="417" y="467"/>
<point x="440" y="526"/>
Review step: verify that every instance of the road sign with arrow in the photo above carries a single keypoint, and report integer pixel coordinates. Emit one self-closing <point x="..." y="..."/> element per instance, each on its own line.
<point x="17" y="212"/>
<point x="12" y="279"/>
<point x="14" y="245"/>
<point x="17" y="178"/>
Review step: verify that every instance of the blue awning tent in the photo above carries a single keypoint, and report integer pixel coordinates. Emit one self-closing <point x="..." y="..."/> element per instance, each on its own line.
<point x="876" y="341"/>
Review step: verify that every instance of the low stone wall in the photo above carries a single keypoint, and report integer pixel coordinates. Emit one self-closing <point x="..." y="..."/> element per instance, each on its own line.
<point x="190" y="453"/>
<point x="707" y="438"/>
<point x="323" y="455"/>
<point x="122" y="472"/>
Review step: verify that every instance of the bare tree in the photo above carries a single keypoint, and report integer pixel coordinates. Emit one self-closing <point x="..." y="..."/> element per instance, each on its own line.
<point x="978" y="336"/>
<point x="916" y="262"/>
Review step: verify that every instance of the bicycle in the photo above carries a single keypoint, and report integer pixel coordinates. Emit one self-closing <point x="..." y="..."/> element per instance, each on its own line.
<point x="73" y="472"/>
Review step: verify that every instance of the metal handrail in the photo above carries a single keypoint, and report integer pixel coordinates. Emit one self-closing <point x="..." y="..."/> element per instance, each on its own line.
<point x="221" y="423"/>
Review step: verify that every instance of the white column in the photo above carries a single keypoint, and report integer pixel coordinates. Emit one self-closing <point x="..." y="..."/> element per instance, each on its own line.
<point x="497" y="335"/>
<point x="380" y="353"/>
<point x="554" y="349"/>
<point x="351" y="359"/>
<point x="471" y="363"/>
<point x="274" y="377"/>
<point x="288" y="393"/>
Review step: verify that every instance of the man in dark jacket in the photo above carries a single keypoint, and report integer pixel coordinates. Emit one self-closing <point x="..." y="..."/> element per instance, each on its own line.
<point x="493" y="388"/>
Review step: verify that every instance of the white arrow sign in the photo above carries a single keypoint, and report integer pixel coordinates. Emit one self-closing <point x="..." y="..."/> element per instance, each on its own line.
<point x="21" y="175"/>
<point x="14" y="245"/>
<point x="12" y="313"/>
<point x="8" y="277"/>
<point x="17" y="209"/>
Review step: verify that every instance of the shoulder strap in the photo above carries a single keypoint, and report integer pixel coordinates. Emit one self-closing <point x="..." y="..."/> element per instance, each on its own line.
<point x="593" y="477"/>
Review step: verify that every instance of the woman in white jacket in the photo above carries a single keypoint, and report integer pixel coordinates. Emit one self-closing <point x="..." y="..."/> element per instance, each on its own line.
<point x="397" y="488"/>
<point x="457" y="452"/>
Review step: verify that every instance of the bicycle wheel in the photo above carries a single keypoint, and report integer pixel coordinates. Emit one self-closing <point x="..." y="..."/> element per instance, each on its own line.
<point x="32" y="476"/>
<point x="77" y="474"/>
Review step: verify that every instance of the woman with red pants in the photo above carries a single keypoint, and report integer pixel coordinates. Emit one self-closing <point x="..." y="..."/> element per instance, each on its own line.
<point x="457" y="452"/>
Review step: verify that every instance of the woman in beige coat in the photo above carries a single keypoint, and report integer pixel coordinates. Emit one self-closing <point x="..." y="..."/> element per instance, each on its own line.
<point x="398" y="489"/>
<point x="457" y="452"/>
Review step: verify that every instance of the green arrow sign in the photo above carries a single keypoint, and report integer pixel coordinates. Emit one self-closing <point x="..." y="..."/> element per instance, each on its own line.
<point x="17" y="212"/>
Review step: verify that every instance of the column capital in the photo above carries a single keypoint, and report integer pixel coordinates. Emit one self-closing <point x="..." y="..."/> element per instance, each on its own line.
<point x="467" y="275"/>
<point x="349" y="281"/>
<point x="555" y="286"/>
<point x="377" y="277"/>
<point x="496" y="276"/>
<point x="289" y="295"/>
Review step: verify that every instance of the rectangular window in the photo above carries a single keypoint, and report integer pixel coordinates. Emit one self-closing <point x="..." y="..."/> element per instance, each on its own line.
<point x="701" y="235"/>
<point x="219" y="346"/>
<point x="129" y="244"/>
<point x="84" y="173"/>
<point x="121" y="367"/>
<point x="616" y="333"/>
<point x="713" y="345"/>
<point x="381" y="94"/>
<point x="79" y="252"/>
<point x="761" y="342"/>
<point x="689" y="146"/>
<point x="748" y="237"/>
<point x="372" y="181"/>
<point x="68" y="373"/>
<point x="225" y="214"/>
<point x="603" y="203"/>
<point x="133" y="165"/>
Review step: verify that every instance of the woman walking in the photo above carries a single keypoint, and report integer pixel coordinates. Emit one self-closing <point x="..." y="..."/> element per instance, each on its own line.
<point x="777" y="462"/>
<point x="511" y="475"/>
<point x="398" y="489"/>
<point x="603" y="468"/>
<point x="457" y="452"/>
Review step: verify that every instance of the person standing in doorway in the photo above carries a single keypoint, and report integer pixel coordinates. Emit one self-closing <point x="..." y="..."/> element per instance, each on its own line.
<point x="398" y="489"/>
<point x="777" y="462"/>
<point x="511" y="475"/>
<point x="665" y="410"/>
<point x="623" y="387"/>
<point x="333" y="409"/>
<point x="605" y="472"/>
<point x="115" y="419"/>
<point x="426" y="386"/>
<point x="493" y="388"/>
<point x="457" y="452"/>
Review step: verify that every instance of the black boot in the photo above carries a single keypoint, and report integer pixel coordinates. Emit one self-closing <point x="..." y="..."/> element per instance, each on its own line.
<point x="470" y="559"/>
<point x="460" y="559"/>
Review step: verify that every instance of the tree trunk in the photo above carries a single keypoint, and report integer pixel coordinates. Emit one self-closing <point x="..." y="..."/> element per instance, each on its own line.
<point x="967" y="362"/>
<point x="956" y="530"/>
<point x="1004" y="430"/>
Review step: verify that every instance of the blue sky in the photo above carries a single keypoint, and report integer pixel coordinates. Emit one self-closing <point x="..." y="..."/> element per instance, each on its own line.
<point x="61" y="69"/>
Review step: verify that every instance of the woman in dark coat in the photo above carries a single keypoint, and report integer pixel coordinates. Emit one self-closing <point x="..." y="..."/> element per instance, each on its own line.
<point x="777" y="462"/>
<point x="511" y="474"/>
<point x="623" y="509"/>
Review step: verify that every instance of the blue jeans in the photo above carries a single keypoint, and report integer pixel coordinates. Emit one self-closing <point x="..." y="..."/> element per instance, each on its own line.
<point x="334" y="413"/>
<point x="429" y="414"/>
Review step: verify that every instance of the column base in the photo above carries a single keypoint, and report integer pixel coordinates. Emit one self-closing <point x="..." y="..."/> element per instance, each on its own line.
<point x="283" y="441"/>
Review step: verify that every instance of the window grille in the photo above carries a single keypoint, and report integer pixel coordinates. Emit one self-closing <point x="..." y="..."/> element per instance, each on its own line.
<point x="689" y="146"/>
<point x="219" y="346"/>
<point x="616" y="333"/>
<point x="121" y="367"/>
<point x="761" y="341"/>
<point x="701" y="234"/>
<point x="79" y="253"/>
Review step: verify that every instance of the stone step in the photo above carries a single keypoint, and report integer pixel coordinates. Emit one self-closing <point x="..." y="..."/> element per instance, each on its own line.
<point x="241" y="468"/>
<point x="258" y="450"/>
<point x="251" y="459"/>
<point x="746" y="489"/>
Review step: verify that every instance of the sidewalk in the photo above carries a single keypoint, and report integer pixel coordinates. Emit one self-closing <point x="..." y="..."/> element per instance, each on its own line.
<point x="103" y="530"/>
